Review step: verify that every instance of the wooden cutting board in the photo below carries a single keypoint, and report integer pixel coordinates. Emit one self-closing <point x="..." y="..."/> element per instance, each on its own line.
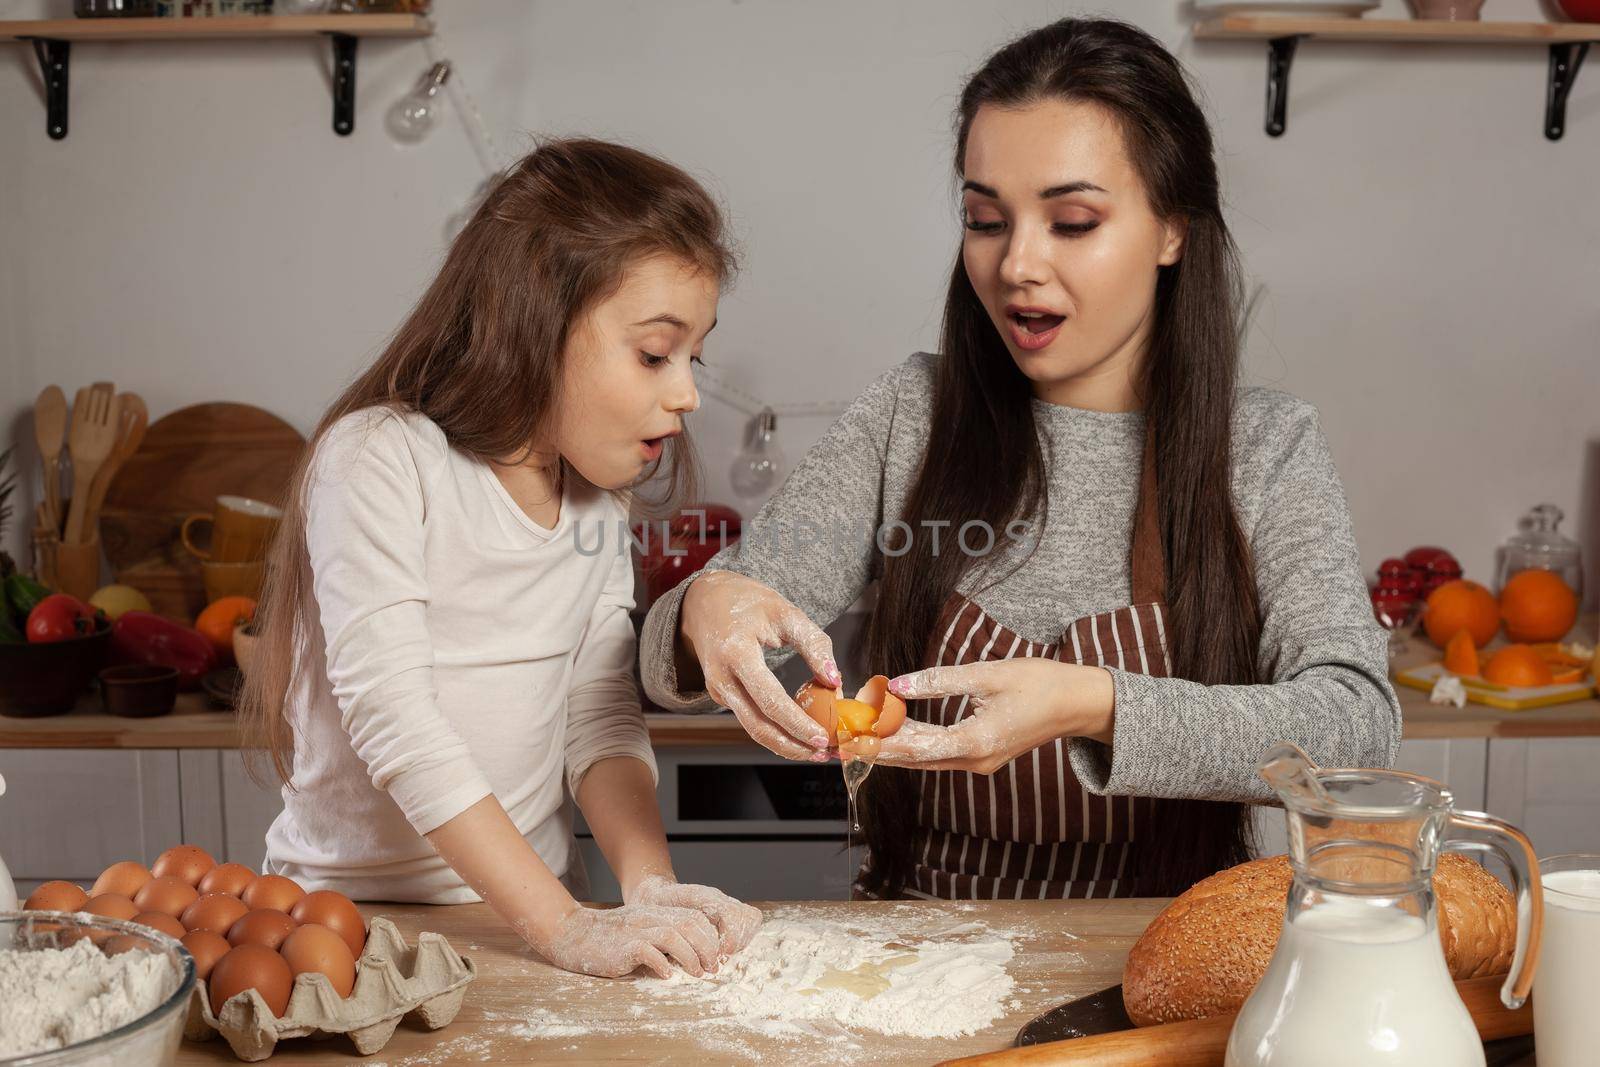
<point x="187" y="459"/>
<point x="1511" y="698"/>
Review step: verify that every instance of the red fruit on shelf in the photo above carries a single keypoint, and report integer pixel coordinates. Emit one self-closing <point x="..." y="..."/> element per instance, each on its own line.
<point x="58" y="617"/>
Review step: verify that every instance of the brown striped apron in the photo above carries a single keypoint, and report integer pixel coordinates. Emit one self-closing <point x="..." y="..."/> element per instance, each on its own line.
<point x="1031" y="830"/>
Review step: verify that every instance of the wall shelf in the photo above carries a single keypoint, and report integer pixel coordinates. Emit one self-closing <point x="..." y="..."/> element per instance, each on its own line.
<point x="52" y="41"/>
<point x="1568" y="43"/>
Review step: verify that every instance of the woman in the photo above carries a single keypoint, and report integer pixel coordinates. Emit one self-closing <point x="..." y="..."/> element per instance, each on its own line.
<point x="1173" y="583"/>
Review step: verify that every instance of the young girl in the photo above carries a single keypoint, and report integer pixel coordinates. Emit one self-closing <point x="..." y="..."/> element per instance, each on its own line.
<point x="1118" y="578"/>
<point x="443" y="653"/>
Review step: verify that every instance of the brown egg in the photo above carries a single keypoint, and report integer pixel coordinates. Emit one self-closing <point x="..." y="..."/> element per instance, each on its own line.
<point x="166" y="894"/>
<point x="112" y="906"/>
<point x="317" y="948"/>
<point x="57" y="896"/>
<point x="124" y="879"/>
<point x="117" y="944"/>
<point x="337" y="913"/>
<point x="874" y="712"/>
<point x="206" y="948"/>
<point x="251" y="967"/>
<point x="261" y="927"/>
<point x="188" y="863"/>
<point x="230" y="878"/>
<point x="273" y="891"/>
<point x="159" y="921"/>
<point x="216" y="912"/>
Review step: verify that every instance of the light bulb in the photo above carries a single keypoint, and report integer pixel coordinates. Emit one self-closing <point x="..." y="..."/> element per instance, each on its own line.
<point x="759" y="466"/>
<point x="414" y="114"/>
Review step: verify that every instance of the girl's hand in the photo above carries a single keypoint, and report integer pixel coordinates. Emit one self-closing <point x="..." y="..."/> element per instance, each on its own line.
<point x="736" y="922"/>
<point x="613" y="942"/>
<point x="727" y="620"/>
<point x="1017" y="705"/>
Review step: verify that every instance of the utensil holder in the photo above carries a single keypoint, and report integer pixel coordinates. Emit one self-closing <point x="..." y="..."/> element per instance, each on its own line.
<point x="66" y="567"/>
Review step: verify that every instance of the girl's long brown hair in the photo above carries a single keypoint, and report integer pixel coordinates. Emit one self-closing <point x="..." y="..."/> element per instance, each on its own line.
<point x="481" y="353"/>
<point x="986" y="462"/>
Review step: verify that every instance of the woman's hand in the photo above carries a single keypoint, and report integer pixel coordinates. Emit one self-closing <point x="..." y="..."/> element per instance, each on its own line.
<point x="736" y="922"/>
<point x="1017" y="705"/>
<point x="727" y="620"/>
<point x="613" y="942"/>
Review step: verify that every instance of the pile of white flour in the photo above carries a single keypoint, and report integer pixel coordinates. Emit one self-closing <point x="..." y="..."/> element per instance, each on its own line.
<point x="796" y="975"/>
<point x="52" y="998"/>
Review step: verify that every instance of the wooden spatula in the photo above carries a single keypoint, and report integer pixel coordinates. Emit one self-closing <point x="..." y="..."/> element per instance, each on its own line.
<point x="92" y="437"/>
<point x="132" y="418"/>
<point x="49" y="432"/>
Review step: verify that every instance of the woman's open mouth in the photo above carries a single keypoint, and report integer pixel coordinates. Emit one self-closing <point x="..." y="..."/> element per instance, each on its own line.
<point x="652" y="448"/>
<point x="1032" y="330"/>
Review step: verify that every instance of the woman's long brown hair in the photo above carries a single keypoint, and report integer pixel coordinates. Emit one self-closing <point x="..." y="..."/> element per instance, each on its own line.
<point x="481" y="353"/>
<point x="986" y="462"/>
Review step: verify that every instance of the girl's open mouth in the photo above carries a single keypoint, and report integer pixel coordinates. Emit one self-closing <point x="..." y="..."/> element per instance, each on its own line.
<point x="1033" y="330"/>
<point x="652" y="448"/>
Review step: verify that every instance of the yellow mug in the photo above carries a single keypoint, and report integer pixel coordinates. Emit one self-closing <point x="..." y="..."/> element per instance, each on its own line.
<point x="241" y="530"/>
<point x="233" y="579"/>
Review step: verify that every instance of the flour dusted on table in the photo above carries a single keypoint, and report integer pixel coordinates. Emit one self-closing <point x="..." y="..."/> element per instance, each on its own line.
<point x="797" y="974"/>
<point x="51" y="998"/>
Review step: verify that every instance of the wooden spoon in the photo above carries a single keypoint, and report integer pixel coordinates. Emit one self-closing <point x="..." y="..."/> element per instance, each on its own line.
<point x="131" y="419"/>
<point x="49" y="431"/>
<point x="90" y="440"/>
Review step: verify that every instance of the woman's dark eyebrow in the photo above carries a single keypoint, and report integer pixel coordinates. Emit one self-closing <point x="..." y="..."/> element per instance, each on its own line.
<point x="1044" y="194"/>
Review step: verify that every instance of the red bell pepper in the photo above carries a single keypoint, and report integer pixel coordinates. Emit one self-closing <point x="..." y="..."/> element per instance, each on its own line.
<point x="142" y="637"/>
<point x="58" y="617"/>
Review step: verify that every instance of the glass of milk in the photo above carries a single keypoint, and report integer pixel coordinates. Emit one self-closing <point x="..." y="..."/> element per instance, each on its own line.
<point x="1566" y="1015"/>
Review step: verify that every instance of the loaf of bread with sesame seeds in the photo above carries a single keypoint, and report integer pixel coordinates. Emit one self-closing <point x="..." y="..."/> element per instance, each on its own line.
<point x="1207" y="949"/>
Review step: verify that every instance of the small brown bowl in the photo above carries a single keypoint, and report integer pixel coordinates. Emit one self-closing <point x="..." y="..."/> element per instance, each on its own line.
<point x="138" y="691"/>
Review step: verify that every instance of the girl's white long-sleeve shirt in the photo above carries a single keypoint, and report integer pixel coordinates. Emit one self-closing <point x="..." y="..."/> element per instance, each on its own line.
<point x="460" y="649"/>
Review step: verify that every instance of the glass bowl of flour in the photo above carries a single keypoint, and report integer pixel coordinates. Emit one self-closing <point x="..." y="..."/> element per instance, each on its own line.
<point x="80" y="989"/>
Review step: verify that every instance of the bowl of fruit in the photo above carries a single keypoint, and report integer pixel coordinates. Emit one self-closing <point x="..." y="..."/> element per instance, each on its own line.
<point x="51" y="647"/>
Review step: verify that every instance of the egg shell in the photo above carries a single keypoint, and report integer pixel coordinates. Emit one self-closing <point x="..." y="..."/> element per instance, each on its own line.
<point x="817" y="701"/>
<point x="187" y="863"/>
<point x="57" y="896"/>
<point x="262" y="927"/>
<point x="124" y="879"/>
<point x="159" y="921"/>
<point x="273" y="892"/>
<point x="891" y="709"/>
<point x="166" y="894"/>
<point x="206" y="948"/>
<point x="117" y="944"/>
<point x="338" y="913"/>
<point x="112" y="906"/>
<point x="313" y="947"/>
<point x="216" y="912"/>
<point x="231" y="878"/>
<point x="251" y="967"/>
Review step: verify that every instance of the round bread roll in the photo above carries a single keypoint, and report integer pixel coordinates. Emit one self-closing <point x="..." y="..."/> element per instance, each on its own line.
<point x="1207" y="950"/>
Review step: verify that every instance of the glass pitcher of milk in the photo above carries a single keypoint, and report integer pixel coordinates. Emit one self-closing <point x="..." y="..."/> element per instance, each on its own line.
<point x="1359" y="977"/>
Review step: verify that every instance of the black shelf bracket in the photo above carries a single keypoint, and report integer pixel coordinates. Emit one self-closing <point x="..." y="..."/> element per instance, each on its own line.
<point x="1280" y="56"/>
<point x="344" y="83"/>
<point x="1565" y="59"/>
<point x="54" y="57"/>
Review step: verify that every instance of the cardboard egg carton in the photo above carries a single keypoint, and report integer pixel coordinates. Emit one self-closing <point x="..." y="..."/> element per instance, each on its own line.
<point x="393" y="981"/>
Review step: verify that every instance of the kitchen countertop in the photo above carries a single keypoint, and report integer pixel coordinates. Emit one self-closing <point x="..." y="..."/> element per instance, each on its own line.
<point x="1064" y="949"/>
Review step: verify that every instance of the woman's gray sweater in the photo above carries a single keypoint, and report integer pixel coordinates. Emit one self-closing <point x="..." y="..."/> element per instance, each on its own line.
<point x="1325" y="654"/>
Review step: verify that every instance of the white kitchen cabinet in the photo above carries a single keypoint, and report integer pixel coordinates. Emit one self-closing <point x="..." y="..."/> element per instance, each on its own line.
<point x="70" y="813"/>
<point x="1550" y="788"/>
<point x="224" y="811"/>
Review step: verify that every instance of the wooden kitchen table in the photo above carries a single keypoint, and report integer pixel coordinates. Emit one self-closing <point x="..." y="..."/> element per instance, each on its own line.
<point x="1064" y="949"/>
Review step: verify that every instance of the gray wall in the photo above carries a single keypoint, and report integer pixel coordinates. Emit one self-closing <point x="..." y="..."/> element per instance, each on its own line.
<point x="1429" y="259"/>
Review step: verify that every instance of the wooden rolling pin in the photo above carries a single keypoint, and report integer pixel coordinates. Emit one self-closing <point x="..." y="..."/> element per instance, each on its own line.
<point x="1204" y="1042"/>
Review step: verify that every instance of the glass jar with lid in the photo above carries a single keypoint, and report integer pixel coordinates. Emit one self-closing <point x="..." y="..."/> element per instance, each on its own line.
<point x="1538" y="544"/>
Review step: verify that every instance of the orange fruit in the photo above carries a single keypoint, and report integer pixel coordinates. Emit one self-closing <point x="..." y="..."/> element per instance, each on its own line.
<point x="1517" y="665"/>
<point x="1461" y="605"/>
<point x="1461" y="655"/>
<point x="219" y="619"/>
<point x="1538" y="606"/>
